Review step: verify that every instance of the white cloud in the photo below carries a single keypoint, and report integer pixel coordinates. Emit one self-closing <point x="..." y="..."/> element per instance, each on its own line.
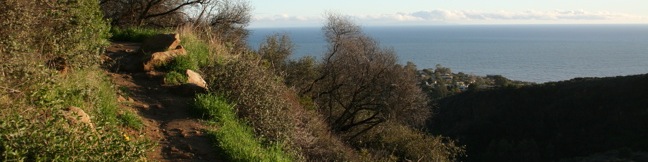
<point x="470" y="15"/>
<point x="465" y="16"/>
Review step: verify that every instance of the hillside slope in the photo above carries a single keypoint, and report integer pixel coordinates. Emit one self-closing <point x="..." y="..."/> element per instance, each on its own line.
<point x="551" y="121"/>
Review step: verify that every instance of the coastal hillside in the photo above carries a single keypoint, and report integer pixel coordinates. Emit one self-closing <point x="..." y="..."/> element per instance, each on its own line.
<point x="581" y="119"/>
<point x="139" y="81"/>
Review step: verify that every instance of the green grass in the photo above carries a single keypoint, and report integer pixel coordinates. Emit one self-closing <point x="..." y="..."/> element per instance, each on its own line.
<point x="131" y="120"/>
<point x="133" y="34"/>
<point x="181" y="63"/>
<point x="198" y="50"/>
<point x="34" y="138"/>
<point x="198" y="56"/>
<point x="234" y="137"/>
<point x="174" y="78"/>
<point x="34" y="129"/>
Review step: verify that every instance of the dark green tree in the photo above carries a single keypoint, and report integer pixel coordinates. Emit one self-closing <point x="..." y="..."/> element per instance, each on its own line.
<point x="275" y="50"/>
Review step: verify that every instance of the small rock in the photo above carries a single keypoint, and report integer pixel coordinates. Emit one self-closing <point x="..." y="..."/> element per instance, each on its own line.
<point x="121" y="98"/>
<point x="76" y="115"/>
<point x="197" y="133"/>
<point x="195" y="84"/>
<point x="154" y="74"/>
<point x="131" y="99"/>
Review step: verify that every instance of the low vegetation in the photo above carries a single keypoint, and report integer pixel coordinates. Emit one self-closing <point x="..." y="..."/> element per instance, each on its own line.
<point x="265" y="102"/>
<point x="50" y="52"/>
<point x="233" y="136"/>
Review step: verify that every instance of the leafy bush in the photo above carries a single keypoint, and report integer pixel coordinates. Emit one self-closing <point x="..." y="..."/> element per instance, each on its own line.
<point x="174" y="78"/>
<point x="254" y="90"/>
<point x="181" y="63"/>
<point x="33" y="129"/>
<point x="87" y="89"/>
<point x="33" y="92"/>
<point x="233" y="137"/>
<point x="41" y="138"/>
<point x="72" y="30"/>
<point x="397" y="141"/>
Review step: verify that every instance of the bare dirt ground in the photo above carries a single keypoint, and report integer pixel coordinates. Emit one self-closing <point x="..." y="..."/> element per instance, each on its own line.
<point x="167" y="116"/>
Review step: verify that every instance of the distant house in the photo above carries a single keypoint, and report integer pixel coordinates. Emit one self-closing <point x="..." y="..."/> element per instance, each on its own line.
<point x="462" y="86"/>
<point x="430" y="83"/>
<point x="447" y="77"/>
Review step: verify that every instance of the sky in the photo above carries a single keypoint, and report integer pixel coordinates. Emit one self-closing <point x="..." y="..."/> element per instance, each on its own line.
<point x="311" y="13"/>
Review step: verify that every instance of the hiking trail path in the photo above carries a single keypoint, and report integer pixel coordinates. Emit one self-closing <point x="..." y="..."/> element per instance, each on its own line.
<point x="178" y="134"/>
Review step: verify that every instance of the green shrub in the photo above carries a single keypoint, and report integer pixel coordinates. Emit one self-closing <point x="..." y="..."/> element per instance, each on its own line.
<point x="258" y="94"/>
<point x="274" y="110"/>
<point x="174" y="78"/>
<point x="198" y="50"/>
<point x="131" y="119"/>
<point x="397" y="141"/>
<point x="87" y="89"/>
<point x="39" y="137"/>
<point x="37" y="31"/>
<point x="181" y="63"/>
<point x="234" y="138"/>
<point x="32" y="127"/>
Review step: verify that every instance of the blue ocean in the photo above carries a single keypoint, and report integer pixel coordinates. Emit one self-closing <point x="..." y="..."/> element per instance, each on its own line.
<point x="535" y="53"/>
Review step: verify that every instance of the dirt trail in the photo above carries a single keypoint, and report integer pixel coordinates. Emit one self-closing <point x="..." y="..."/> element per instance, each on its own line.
<point x="167" y="117"/>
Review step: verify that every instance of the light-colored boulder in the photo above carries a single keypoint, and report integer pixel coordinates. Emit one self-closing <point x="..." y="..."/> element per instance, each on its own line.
<point x="160" y="43"/>
<point x="76" y="115"/>
<point x="160" y="58"/>
<point x="196" y="79"/>
<point x="195" y="84"/>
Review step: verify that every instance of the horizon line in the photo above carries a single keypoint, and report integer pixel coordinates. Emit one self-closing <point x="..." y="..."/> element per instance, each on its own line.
<point x="457" y="24"/>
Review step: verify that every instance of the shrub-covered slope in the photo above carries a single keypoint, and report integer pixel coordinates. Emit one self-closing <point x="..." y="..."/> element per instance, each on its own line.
<point x="50" y="51"/>
<point x="550" y="121"/>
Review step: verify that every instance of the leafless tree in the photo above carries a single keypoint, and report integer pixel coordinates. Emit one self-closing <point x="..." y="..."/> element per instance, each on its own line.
<point x="229" y="21"/>
<point x="361" y="84"/>
<point x="139" y="12"/>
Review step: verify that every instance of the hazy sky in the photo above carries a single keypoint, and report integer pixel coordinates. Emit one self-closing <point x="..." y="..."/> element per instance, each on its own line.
<point x="291" y="13"/>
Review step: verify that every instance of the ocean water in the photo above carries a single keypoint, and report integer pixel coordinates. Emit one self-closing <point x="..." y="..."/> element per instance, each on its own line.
<point x="536" y="53"/>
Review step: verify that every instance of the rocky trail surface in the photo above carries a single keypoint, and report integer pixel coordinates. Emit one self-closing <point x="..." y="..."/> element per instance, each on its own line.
<point x="167" y="116"/>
